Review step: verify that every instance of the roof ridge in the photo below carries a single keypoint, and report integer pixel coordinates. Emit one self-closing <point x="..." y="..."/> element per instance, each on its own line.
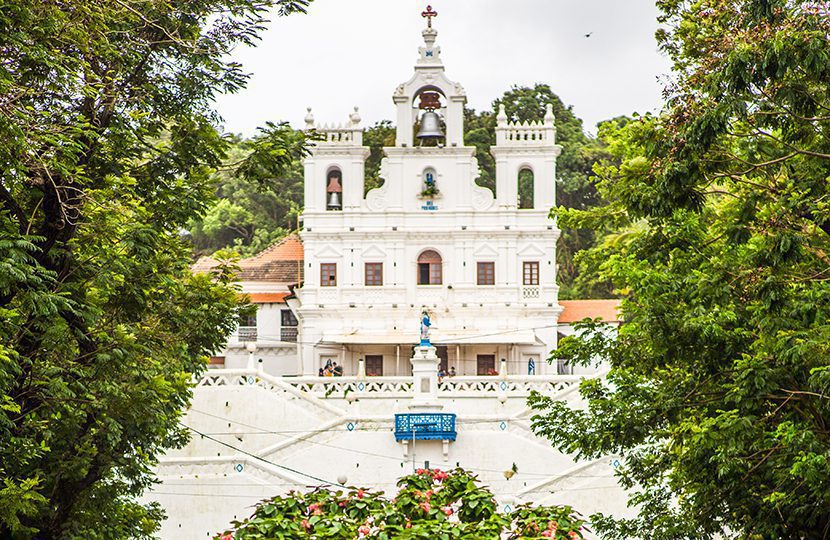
<point x="273" y="247"/>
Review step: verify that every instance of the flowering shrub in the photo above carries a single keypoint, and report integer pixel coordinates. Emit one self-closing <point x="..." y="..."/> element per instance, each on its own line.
<point x="429" y="504"/>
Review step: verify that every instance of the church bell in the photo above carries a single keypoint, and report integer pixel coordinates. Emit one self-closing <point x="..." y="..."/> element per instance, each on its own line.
<point x="430" y="126"/>
<point x="333" y="190"/>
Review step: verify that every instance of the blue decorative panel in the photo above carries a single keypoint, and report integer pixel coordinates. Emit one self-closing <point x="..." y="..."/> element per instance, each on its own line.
<point x="425" y="427"/>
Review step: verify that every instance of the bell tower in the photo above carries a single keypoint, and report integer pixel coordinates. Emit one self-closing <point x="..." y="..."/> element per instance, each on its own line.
<point x="429" y="99"/>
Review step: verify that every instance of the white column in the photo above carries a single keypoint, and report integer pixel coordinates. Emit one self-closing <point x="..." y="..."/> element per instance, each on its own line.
<point x="425" y="380"/>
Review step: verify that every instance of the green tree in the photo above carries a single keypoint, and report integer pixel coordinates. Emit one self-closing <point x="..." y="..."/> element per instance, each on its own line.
<point x="376" y="138"/>
<point x="719" y="382"/>
<point x="429" y="504"/>
<point x="259" y="192"/>
<point x="107" y="148"/>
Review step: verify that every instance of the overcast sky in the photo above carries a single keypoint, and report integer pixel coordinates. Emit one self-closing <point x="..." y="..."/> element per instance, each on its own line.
<point x="348" y="53"/>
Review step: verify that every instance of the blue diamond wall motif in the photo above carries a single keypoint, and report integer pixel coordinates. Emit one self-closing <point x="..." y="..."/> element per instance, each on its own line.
<point x="361" y="387"/>
<point x="503" y="385"/>
<point x="507" y="508"/>
<point x="239" y="467"/>
<point x="616" y="463"/>
<point x="350" y="426"/>
<point x="503" y="426"/>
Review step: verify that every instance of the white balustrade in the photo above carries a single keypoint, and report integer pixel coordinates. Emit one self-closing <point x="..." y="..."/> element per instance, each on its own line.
<point x="530" y="292"/>
<point x="396" y="387"/>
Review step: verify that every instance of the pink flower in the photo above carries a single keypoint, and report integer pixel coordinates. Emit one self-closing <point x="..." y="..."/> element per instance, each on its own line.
<point x="226" y="536"/>
<point x="360" y="493"/>
<point x="342" y="504"/>
<point x="447" y="510"/>
<point x="425" y="507"/>
<point x="547" y="534"/>
<point x="305" y="524"/>
<point x="315" y="509"/>
<point x="364" y="530"/>
<point x="441" y="476"/>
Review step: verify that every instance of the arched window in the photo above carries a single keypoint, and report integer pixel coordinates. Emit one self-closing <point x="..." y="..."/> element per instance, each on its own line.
<point x="334" y="189"/>
<point x="525" y="189"/>
<point x="429" y="268"/>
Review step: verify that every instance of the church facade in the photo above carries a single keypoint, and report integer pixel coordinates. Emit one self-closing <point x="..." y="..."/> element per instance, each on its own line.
<point x="430" y="238"/>
<point x="429" y="272"/>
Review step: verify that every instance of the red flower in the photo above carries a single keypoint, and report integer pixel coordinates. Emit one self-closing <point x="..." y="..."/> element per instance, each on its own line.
<point x="364" y="530"/>
<point x="447" y="511"/>
<point x="425" y="507"/>
<point x="360" y="493"/>
<point x="342" y="504"/>
<point x="226" y="536"/>
<point x="305" y="524"/>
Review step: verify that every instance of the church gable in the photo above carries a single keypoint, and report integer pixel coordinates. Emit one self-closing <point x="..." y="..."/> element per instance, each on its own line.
<point x="374" y="252"/>
<point x="329" y="252"/>
<point x="485" y="250"/>
<point x="531" y="250"/>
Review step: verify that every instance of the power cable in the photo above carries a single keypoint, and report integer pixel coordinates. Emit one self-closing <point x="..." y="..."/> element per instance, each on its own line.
<point x="374" y="454"/>
<point x="240" y="450"/>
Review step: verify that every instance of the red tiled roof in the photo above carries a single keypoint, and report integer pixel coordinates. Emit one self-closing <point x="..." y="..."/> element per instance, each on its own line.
<point x="268" y="298"/>
<point x="282" y="263"/>
<point x="576" y="310"/>
<point x="289" y="248"/>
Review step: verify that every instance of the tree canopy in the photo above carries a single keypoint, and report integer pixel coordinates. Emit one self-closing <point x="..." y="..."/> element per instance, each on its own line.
<point x="107" y="146"/>
<point x="429" y="504"/>
<point x="718" y="388"/>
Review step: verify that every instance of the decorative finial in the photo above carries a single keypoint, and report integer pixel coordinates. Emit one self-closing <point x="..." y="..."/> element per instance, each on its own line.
<point x="501" y="117"/>
<point x="309" y="119"/>
<point x="550" y="119"/>
<point x="428" y="15"/>
<point x="354" y="118"/>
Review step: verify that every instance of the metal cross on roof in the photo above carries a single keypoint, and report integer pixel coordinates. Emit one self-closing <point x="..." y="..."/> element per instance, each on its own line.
<point x="428" y="15"/>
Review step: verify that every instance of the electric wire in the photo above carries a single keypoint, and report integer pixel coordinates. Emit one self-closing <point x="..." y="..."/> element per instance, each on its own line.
<point x="374" y="454"/>
<point x="278" y="338"/>
<point x="260" y="458"/>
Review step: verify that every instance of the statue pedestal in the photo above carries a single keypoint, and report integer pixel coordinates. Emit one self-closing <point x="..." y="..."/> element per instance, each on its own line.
<point x="425" y="363"/>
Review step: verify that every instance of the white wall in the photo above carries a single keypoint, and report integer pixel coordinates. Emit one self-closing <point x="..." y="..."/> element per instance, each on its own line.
<point x="204" y="487"/>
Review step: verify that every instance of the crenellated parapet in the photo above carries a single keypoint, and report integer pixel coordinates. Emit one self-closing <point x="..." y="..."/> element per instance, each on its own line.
<point x="344" y="134"/>
<point x="526" y="133"/>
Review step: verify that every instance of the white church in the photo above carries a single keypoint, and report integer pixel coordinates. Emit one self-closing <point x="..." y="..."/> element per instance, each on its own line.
<point x="352" y="291"/>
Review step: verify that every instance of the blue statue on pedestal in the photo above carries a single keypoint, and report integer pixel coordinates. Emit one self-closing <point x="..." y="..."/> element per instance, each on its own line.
<point x="425" y="324"/>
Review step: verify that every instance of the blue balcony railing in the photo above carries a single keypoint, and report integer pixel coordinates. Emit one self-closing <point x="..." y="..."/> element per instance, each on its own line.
<point x="425" y="427"/>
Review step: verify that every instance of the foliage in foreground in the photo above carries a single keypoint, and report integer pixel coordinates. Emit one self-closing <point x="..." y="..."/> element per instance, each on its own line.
<point x="107" y="145"/>
<point x="429" y="504"/>
<point x="719" y="389"/>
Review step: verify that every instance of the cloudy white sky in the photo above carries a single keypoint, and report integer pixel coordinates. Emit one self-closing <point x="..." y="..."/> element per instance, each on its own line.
<point x="348" y="53"/>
